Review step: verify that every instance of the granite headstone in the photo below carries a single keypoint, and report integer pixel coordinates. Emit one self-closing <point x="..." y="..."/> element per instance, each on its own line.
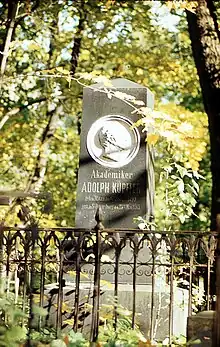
<point x="116" y="165"/>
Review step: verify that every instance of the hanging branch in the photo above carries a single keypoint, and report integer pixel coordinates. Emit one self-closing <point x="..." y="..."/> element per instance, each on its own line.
<point x="16" y="110"/>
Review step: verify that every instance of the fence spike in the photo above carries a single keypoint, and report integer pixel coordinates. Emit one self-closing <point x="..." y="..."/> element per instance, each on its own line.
<point x="99" y="219"/>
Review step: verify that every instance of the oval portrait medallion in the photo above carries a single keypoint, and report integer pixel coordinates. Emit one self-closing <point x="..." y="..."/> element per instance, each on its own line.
<point x="113" y="141"/>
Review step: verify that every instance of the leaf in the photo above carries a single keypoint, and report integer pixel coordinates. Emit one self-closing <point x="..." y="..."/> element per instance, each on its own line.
<point x="34" y="46"/>
<point x="85" y="75"/>
<point x="62" y="70"/>
<point x="66" y="340"/>
<point x="195" y="185"/>
<point x="182" y="218"/>
<point x="194" y="342"/>
<point x="124" y="96"/>
<point x="102" y="79"/>
<point x="69" y="321"/>
<point x="106" y="283"/>
<point x="181" y="186"/>
<point x="152" y="139"/>
<point x="40" y="311"/>
<point x="146" y="343"/>
<point x="58" y="343"/>
<point x="138" y="102"/>
<point x="15" y="334"/>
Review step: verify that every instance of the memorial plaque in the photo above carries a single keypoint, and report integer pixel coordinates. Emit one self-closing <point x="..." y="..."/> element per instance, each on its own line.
<point x="115" y="166"/>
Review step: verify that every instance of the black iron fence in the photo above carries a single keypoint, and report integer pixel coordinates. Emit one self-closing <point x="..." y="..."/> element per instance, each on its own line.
<point x="159" y="277"/>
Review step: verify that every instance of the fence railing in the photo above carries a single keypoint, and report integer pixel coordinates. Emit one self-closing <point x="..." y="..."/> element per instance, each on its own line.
<point x="158" y="276"/>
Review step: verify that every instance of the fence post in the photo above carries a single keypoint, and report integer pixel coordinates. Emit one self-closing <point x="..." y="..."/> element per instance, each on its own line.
<point x="96" y="288"/>
<point x="34" y="236"/>
<point x="1" y="258"/>
<point x="216" y="330"/>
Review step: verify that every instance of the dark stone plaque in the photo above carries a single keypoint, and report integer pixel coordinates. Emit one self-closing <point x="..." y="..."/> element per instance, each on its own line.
<point x="116" y="166"/>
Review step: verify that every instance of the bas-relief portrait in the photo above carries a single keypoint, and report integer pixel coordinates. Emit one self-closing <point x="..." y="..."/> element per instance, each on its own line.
<point x="113" y="141"/>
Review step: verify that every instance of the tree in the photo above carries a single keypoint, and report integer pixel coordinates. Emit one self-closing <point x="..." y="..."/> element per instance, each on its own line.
<point x="41" y="103"/>
<point x="205" y="38"/>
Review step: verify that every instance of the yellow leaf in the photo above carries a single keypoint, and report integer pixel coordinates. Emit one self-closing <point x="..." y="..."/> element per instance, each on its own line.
<point x="152" y="139"/>
<point x="140" y="72"/>
<point x="109" y="3"/>
<point x="62" y="70"/>
<point x="69" y="321"/>
<point x="146" y="343"/>
<point x="66" y="340"/>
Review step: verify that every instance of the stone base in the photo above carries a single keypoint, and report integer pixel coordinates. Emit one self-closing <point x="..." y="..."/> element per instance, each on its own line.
<point x="143" y="306"/>
<point x="200" y="328"/>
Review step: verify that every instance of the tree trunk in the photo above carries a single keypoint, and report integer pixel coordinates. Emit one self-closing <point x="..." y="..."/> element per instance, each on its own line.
<point x="204" y="35"/>
<point x="38" y="177"/>
<point x="78" y="38"/>
<point x="12" y="11"/>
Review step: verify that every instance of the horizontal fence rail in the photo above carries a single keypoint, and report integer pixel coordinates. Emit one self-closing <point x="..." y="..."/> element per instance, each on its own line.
<point x="83" y="277"/>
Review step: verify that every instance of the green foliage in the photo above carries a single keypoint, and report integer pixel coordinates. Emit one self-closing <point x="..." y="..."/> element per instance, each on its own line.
<point x="75" y="340"/>
<point x="118" y="39"/>
<point x="123" y="334"/>
<point x="58" y="343"/>
<point x="11" y="333"/>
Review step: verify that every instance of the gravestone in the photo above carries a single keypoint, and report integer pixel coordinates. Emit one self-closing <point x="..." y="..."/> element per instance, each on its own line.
<point x="115" y="166"/>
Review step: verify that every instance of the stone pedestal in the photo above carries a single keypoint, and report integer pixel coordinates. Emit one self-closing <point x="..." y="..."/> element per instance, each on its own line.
<point x="143" y="306"/>
<point x="200" y="329"/>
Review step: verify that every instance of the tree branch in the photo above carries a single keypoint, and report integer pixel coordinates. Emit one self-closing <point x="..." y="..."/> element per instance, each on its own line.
<point x="16" y="110"/>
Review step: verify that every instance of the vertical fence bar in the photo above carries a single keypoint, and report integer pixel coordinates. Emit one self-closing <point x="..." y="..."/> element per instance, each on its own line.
<point x="33" y="236"/>
<point x="8" y="251"/>
<point x="208" y="284"/>
<point x="134" y="288"/>
<point x="60" y="294"/>
<point x="17" y="281"/>
<point x="153" y="248"/>
<point x="42" y="278"/>
<point x="78" y="271"/>
<point x="96" y="288"/>
<point x="1" y="257"/>
<point x="216" y="337"/>
<point x="172" y="254"/>
<point x="26" y="241"/>
<point x="191" y="261"/>
<point x="190" y="287"/>
<point x="152" y="298"/>
<point x="117" y="255"/>
<point x="171" y="301"/>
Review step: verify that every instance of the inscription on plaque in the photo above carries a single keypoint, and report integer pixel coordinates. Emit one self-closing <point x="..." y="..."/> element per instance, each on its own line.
<point x="113" y="168"/>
